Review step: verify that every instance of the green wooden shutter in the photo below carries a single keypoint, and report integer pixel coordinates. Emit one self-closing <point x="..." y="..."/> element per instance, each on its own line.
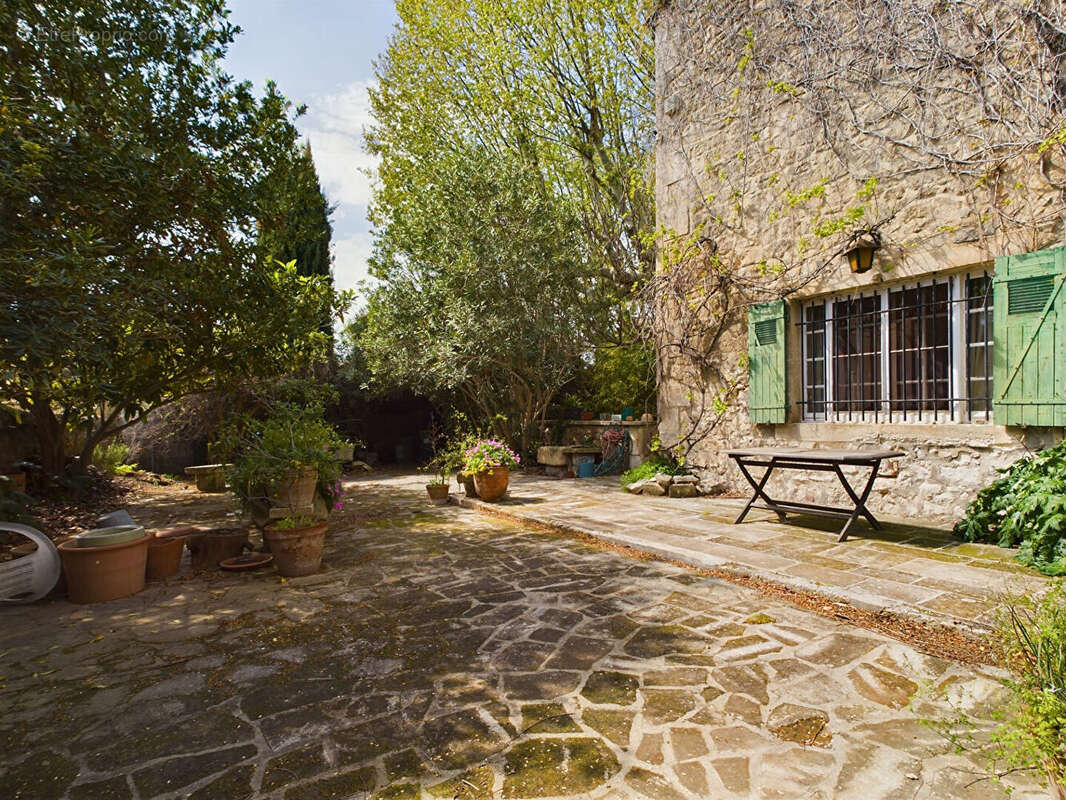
<point x="1029" y="351"/>
<point x="767" y="395"/>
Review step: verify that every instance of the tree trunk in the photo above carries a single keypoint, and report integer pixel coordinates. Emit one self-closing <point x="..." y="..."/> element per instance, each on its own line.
<point x="51" y="439"/>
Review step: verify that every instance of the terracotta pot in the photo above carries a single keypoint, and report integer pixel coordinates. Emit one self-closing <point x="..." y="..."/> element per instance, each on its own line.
<point x="438" y="493"/>
<point x="96" y="574"/>
<point x="164" y="556"/>
<point x="467" y="480"/>
<point x="297" y="551"/>
<point x="209" y="547"/>
<point x="491" y="484"/>
<point x="297" y="488"/>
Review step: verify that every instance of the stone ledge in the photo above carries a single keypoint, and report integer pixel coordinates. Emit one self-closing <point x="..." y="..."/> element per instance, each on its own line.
<point x="865" y="601"/>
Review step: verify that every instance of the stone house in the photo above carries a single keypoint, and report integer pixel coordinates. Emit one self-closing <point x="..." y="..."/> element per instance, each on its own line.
<point x="794" y="139"/>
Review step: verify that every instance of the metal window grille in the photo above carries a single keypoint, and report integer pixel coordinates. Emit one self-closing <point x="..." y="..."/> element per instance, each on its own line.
<point x="916" y="352"/>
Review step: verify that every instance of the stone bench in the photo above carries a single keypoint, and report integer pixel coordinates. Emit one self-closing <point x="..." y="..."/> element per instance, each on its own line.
<point x="558" y="460"/>
<point x="209" y="477"/>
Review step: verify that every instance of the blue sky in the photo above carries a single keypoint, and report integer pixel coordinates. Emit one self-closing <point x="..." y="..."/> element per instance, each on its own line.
<point x="321" y="53"/>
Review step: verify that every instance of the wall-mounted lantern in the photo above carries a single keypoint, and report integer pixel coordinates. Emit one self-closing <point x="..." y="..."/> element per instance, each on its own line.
<point x="860" y="252"/>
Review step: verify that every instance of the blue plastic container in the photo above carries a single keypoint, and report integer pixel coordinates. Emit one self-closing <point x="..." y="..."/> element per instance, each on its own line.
<point x="586" y="469"/>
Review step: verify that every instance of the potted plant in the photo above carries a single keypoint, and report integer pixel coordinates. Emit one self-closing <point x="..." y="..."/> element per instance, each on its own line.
<point x="296" y="542"/>
<point x="283" y="460"/>
<point x="490" y="462"/>
<point x="454" y="456"/>
<point x="283" y="469"/>
<point x="437" y="489"/>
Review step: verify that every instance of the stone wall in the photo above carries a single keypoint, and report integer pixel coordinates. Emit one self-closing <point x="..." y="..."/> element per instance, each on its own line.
<point x="751" y="184"/>
<point x="590" y="431"/>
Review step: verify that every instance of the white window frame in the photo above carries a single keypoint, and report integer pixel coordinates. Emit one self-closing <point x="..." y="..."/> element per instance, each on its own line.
<point x="959" y="348"/>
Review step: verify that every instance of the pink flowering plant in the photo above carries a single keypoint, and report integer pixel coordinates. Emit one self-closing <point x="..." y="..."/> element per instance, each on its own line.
<point x="488" y="454"/>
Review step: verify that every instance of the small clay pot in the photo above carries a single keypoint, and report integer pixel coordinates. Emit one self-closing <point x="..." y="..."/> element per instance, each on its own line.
<point x="438" y="493"/>
<point x="297" y="551"/>
<point x="108" y="572"/>
<point x="164" y="557"/>
<point x="491" y="484"/>
<point x="210" y="547"/>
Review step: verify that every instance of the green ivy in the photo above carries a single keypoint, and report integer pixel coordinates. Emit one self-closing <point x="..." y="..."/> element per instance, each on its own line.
<point x="1026" y="508"/>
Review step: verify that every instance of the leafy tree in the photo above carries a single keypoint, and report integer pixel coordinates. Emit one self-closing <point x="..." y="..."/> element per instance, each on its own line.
<point x="130" y="167"/>
<point x="619" y="377"/>
<point x="294" y="216"/>
<point x="482" y="293"/>
<point x="566" y="83"/>
<point x="513" y="196"/>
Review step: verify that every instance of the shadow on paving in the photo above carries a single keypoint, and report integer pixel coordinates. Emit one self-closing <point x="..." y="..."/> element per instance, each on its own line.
<point x="917" y="535"/>
<point x="442" y="654"/>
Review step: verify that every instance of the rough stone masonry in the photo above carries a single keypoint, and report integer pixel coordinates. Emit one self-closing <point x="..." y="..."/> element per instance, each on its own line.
<point x="768" y="158"/>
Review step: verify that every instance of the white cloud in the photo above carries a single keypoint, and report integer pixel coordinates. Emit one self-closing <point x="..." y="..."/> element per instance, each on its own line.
<point x="334" y="123"/>
<point x="350" y="255"/>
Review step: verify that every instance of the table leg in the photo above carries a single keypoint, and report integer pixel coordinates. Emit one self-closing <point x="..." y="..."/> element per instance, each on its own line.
<point x="859" y="500"/>
<point x="758" y="489"/>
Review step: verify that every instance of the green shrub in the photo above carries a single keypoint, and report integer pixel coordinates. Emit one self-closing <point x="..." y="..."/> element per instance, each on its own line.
<point x="1032" y="638"/>
<point x="653" y="466"/>
<point x="1026" y="508"/>
<point x="263" y="449"/>
<point x="111" y="458"/>
<point x="14" y="504"/>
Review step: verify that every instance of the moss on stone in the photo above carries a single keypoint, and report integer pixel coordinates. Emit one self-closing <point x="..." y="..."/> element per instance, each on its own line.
<point x="404" y="764"/>
<point x="475" y="784"/>
<point x="293" y="766"/>
<point x="614" y="688"/>
<point x="399" y="791"/>
<point x="760" y="619"/>
<point x="550" y="767"/>
<point x="547" y="718"/>
<point x="335" y="787"/>
<point x="615" y="725"/>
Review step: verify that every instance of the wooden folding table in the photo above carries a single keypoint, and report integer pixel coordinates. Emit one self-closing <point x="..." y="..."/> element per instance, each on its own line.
<point x="812" y="461"/>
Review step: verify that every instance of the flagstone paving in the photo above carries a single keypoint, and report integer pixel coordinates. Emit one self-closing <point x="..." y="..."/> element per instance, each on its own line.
<point x="445" y="654"/>
<point x="911" y="569"/>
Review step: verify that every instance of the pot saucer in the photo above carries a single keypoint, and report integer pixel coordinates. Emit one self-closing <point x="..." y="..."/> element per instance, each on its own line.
<point x="246" y="562"/>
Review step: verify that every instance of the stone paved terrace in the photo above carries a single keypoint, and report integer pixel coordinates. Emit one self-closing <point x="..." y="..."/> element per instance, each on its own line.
<point x="914" y="570"/>
<point x="446" y="654"/>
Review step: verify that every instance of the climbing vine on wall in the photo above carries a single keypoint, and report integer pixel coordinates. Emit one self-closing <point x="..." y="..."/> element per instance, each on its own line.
<point x="786" y="130"/>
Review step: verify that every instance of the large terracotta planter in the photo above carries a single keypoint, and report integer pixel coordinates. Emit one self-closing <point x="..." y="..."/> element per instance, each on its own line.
<point x="296" y="489"/>
<point x="209" y="547"/>
<point x="107" y="572"/>
<point x="491" y="484"/>
<point x="297" y="551"/>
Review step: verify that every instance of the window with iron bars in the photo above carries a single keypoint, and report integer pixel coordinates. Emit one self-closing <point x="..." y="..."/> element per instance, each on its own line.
<point x="917" y="352"/>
